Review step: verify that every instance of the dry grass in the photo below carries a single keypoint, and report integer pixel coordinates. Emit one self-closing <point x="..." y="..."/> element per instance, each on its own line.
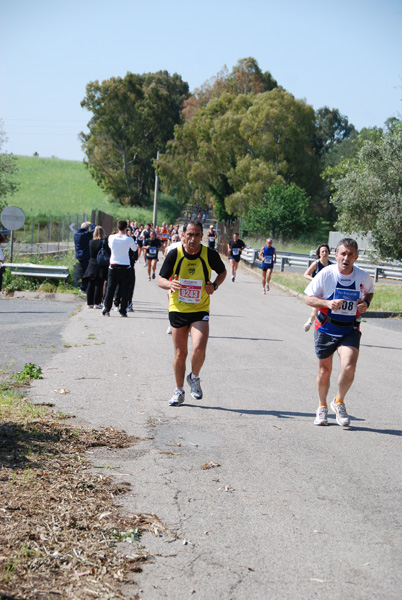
<point x="59" y="523"/>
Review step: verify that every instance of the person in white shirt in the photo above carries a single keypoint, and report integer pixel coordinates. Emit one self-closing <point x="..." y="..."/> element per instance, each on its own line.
<point x="119" y="268"/>
<point x="342" y="293"/>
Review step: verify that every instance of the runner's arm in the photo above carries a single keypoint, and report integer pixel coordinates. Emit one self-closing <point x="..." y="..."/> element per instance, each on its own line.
<point x="363" y="304"/>
<point x="308" y="272"/>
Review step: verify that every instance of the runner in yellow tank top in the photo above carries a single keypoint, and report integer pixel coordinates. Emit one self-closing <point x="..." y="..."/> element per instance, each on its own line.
<point x="186" y="274"/>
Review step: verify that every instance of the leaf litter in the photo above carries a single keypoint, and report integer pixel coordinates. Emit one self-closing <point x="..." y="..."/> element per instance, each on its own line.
<point x="60" y="525"/>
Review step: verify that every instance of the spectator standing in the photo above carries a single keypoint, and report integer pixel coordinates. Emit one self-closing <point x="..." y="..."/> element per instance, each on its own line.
<point x="119" y="269"/>
<point x="82" y="237"/>
<point x="96" y="275"/>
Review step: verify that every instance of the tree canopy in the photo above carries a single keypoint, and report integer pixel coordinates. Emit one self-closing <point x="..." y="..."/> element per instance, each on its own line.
<point x="284" y="212"/>
<point x="238" y="145"/>
<point x="368" y="193"/>
<point x="132" y="118"/>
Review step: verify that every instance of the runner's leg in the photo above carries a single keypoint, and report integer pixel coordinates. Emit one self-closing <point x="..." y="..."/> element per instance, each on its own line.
<point x="324" y="378"/>
<point x="348" y="356"/>
<point x="199" y="337"/>
<point x="180" y="341"/>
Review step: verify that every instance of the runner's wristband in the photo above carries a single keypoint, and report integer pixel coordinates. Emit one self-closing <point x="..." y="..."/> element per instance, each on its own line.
<point x="367" y="302"/>
<point x="215" y="286"/>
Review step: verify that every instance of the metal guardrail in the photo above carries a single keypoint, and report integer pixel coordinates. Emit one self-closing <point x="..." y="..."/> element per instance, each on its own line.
<point x="33" y="270"/>
<point x="303" y="261"/>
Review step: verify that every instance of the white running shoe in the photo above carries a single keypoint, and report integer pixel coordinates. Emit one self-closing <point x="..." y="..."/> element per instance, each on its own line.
<point x="233" y="278"/>
<point x="130" y="308"/>
<point x="177" y="398"/>
<point x="267" y="287"/>
<point x="342" y="417"/>
<point x="115" y="308"/>
<point x="321" y="417"/>
<point x="169" y="330"/>
<point x="194" y="383"/>
<point x="264" y="293"/>
<point x="307" y="325"/>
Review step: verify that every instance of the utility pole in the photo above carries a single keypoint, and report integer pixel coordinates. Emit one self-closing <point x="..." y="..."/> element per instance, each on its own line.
<point x="155" y="213"/>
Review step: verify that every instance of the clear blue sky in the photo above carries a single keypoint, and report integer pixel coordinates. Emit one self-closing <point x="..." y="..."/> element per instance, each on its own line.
<point x="345" y="54"/>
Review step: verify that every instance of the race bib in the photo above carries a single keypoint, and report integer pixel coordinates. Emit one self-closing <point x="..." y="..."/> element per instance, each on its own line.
<point x="190" y="290"/>
<point x="152" y="250"/>
<point x="235" y="251"/>
<point x="268" y="260"/>
<point x="211" y="239"/>
<point x="350" y="300"/>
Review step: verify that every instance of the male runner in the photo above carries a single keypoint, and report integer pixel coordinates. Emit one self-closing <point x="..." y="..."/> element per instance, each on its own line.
<point x="267" y="256"/>
<point x="151" y="247"/>
<point x="235" y="248"/>
<point x="341" y="292"/>
<point x="189" y="266"/>
<point x="212" y="237"/>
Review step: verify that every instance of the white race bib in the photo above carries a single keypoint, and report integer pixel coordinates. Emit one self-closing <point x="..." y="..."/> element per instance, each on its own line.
<point x="350" y="300"/>
<point x="190" y="290"/>
<point x="235" y="251"/>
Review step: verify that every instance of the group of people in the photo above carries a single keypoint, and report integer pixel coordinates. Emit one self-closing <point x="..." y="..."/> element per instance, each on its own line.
<point x="338" y="295"/>
<point x="113" y="287"/>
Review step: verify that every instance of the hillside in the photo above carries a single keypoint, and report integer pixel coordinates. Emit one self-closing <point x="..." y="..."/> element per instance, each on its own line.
<point x="50" y="186"/>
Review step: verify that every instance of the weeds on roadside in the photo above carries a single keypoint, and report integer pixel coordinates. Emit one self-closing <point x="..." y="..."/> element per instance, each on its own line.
<point x="29" y="372"/>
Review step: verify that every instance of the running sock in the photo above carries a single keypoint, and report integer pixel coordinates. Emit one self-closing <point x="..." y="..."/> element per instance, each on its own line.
<point x="322" y="405"/>
<point x="194" y="377"/>
<point x="338" y="400"/>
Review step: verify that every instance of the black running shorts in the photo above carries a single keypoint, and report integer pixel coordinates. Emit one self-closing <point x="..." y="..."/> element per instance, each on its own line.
<point x="326" y="344"/>
<point x="181" y="319"/>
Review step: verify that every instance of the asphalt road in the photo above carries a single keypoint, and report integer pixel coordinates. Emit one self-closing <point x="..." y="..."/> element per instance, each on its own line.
<point x="292" y="511"/>
<point x="31" y="326"/>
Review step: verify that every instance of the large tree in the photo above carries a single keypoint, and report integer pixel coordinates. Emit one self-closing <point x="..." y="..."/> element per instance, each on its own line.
<point x="238" y="145"/>
<point x="368" y="193"/>
<point x="246" y="77"/>
<point x="133" y="118"/>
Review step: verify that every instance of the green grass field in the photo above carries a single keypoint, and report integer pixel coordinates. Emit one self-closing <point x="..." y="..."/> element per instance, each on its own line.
<point x="53" y="187"/>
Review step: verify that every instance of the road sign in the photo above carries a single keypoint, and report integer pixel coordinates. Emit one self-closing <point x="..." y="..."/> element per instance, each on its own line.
<point x="12" y="218"/>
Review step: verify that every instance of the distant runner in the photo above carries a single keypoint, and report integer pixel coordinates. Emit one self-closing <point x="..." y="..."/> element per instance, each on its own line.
<point x="267" y="256"/>
<point x="235" y="248"/>
<point x="322" y="261"/>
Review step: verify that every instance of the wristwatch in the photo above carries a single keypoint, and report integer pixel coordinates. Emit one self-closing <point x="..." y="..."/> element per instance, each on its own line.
<point x="215" y="286"/>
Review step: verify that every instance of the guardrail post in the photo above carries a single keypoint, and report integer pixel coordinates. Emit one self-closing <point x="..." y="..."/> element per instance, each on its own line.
<point x="283" y="262"/>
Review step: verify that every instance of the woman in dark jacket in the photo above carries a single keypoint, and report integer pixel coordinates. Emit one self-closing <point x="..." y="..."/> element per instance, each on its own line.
<point x="95" y="274"/>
